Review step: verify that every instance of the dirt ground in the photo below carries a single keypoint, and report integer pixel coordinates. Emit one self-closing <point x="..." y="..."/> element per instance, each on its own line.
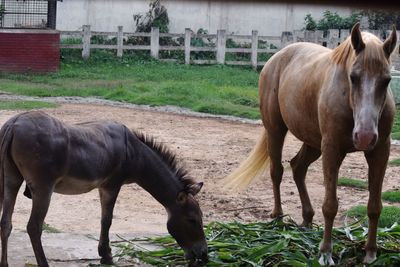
<point x="210" y="148"/>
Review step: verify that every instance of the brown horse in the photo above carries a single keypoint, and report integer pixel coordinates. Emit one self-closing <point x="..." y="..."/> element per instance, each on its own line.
<point x="335" y="101"/>
<point x="54" y="157"/>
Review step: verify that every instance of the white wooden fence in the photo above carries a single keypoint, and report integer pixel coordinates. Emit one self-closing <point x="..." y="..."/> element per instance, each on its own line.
<point x="272" y="44"/>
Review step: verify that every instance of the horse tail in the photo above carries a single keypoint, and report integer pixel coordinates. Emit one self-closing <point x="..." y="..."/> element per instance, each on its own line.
<point x="250" y="168"/>
<point x="5" y="142"/>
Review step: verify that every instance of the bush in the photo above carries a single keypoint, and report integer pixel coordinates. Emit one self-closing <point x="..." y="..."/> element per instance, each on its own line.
<point x="331" y="20"/>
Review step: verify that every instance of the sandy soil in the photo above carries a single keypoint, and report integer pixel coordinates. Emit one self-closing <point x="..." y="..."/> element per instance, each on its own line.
<point x="210" y="149"/>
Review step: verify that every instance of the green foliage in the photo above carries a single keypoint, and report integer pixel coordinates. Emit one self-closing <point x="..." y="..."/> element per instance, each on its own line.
<point x="391" y="195"/>
<point x="311" y="24"/>
<point x="275" y="243"/>
<point x="349" y="182"/>
<point x="19" y="104"/>
<point x="157" y="16"/>
<point x="331" y="20"/>
<point x="382" y="19"/>
<point x="2" y="11"/>
<point x="389" y="215"/>
<point x="202" y="42"/>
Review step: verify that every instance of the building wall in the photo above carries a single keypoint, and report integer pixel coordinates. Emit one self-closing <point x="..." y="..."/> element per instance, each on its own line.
<point x="29" y="50"/>
<point x="236" y="17"/>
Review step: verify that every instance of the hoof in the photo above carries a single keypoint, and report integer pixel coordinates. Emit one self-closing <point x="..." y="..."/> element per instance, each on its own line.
<point x="326" y="260"/>
<point x="107" y="261"/>
<point x="369" y="257"/>
<point x="276" y="214"/>
<point x="307" y="225"/>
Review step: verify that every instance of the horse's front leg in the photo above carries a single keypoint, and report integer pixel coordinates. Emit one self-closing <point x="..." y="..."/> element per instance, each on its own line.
<point x="108" y="196"/>
<point x="331" y="160"/>
<point x="377" y="160"/>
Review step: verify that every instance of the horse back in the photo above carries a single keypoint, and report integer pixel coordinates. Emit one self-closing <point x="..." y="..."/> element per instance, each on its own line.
<point x="77" y="158"/>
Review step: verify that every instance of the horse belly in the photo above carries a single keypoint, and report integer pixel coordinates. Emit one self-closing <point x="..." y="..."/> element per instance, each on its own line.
<point x="299" y="111"/>
<point x="75" y="186"/>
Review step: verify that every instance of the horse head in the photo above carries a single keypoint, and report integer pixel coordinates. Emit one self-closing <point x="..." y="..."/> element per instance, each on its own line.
<point x="369" y="77"/>
<point x="185" y="224"/>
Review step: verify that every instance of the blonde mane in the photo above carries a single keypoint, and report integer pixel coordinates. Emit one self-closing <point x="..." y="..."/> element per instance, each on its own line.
<point x="372" y="54"/>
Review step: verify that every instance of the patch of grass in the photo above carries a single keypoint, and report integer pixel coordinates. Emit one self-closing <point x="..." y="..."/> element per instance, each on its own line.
<point x="19" y="104"/>
<point x="395" y="162"/>
<point x="276" y="243"/>
<point x="389" y="215"/>
<point x="391" y="196"/>
<point x="50" y="229"/>
<point x="212" y="89"/>
<point x="349" y="182"/>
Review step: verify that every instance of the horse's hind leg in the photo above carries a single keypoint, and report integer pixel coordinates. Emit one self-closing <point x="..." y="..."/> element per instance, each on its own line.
<point x="276" y="138"/>
<point x="41" y="195"/>
<point x="299" y="164"/>
<point x="12" y="183"/>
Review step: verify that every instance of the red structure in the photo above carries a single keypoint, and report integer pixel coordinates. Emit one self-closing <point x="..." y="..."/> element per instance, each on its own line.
<point x="29" y="50"/>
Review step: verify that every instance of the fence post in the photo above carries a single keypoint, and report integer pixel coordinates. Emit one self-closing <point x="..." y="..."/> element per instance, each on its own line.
<point x="155" y="42"/>
<point x="120" y="41"/>
<point x="188" y="37"/>
<point x="286" y="38"/>
<point x="86" y="41"/>
<point x="254" y="47"/>
<point x="221" y="46"/>
<point x="333" y="38"/>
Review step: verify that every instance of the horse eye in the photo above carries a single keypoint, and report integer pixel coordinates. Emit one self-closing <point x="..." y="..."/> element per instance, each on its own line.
<point x="386" y="81"/>
<point x="353" y="78"/>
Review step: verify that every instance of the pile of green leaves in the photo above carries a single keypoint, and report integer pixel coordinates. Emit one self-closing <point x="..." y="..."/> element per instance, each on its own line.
<point x="275" y="243"/>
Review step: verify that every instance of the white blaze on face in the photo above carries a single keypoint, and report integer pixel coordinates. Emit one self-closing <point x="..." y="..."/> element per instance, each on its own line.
<point x="366" y="114"/>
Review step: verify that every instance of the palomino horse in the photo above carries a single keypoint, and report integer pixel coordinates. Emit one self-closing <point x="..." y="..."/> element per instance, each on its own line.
<point x="335" y="101"/>
<point x="53" y="157"/>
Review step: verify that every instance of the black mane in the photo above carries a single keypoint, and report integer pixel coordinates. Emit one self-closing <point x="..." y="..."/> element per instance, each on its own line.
<point x="168" y="157"/>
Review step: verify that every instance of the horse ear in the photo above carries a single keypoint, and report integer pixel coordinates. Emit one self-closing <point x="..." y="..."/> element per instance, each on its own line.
<point x="390" y="43"/>
<point x="182" y="197"/>
<point x="195" y="188"/>
<point x="356" y="38"/>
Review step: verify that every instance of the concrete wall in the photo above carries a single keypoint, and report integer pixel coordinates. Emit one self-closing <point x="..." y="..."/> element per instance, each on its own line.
<point x="236" y="17"/>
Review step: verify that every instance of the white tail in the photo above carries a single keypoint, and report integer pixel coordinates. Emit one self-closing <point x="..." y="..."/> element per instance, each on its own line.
<point x="256" y="162"/>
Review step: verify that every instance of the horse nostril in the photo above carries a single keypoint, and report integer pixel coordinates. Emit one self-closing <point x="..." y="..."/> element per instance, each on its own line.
<point x="356" y="136"/>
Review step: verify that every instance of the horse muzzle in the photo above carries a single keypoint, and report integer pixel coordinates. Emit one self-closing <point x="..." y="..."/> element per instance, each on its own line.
<point x="365" y="139"/>
<point x="197" y="255"/>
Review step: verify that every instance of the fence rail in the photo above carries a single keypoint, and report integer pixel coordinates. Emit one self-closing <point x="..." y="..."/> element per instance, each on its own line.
<point x="253" y="44"/>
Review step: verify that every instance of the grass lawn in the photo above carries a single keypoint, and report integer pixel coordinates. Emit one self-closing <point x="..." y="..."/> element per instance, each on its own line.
<point x="211" y="89"/>
<point x="391" y="196"/>
<point x="12" y="105"/>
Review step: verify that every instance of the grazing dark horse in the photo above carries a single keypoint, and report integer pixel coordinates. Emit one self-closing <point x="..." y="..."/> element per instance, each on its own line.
<point x="335" y="101"/>
<point x="73" y="159"/>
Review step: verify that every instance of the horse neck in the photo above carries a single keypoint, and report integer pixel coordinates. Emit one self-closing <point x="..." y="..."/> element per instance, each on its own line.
<point x="152" y="174"/>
